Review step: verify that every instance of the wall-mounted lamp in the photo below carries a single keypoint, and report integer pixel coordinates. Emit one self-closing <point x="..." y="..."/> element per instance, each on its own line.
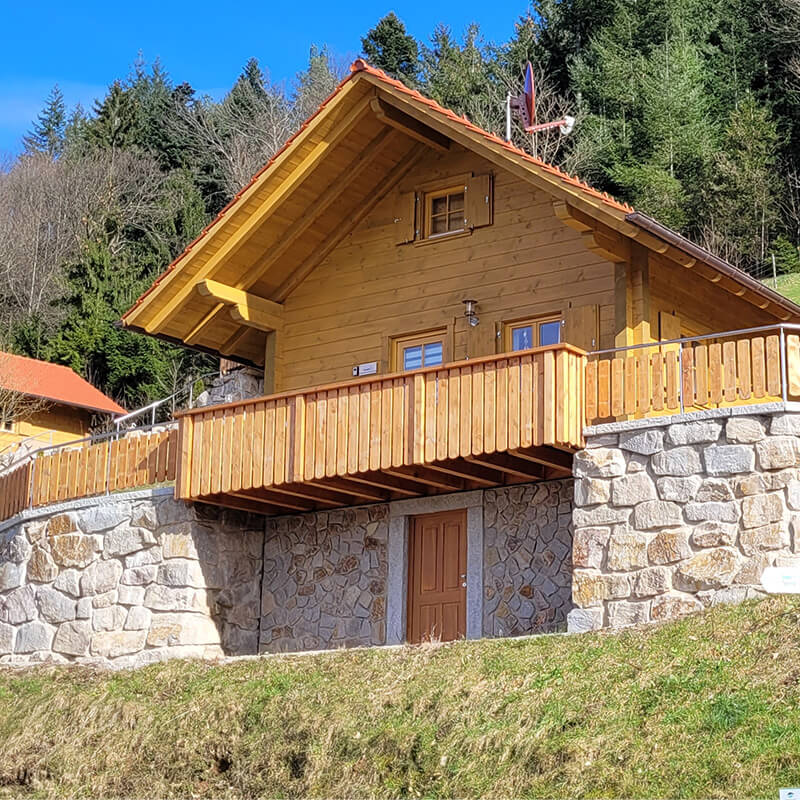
<point x="470" y="307"/>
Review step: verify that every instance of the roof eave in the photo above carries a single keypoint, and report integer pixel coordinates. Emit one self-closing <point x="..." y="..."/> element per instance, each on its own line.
<point x="680" y="242"/>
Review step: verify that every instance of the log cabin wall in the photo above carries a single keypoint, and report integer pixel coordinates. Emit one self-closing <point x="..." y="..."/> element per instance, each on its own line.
<point x="702" y="306"/>
<point x="526" y="263"/>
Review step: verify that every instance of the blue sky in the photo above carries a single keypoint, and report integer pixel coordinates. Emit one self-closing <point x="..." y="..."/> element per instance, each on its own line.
<point x="83" y="46"/>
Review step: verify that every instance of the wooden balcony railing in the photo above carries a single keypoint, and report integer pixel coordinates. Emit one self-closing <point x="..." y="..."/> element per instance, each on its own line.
<point x="471" y="412"/>
<point x="83" y="469"/>
<point x="758" y="365"/>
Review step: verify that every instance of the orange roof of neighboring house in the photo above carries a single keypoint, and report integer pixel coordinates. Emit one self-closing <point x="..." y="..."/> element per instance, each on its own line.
<point x="359" y="66"/>
<point x="52" y="382"/>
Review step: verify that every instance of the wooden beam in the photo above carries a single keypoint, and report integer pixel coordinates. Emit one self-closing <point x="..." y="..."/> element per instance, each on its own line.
<point x="321" y="203"/>
<point x="507" y="463"/>
<point x="255" y="219"/>
<point x="351" y="486"/>
<point x="246" y="315"/>
<point x="639" y="276"/>
<point x="428" y="476"/>
<point x="232" y="342"/>
<point x="241" y="504"/>
<point x="550" y="458"/>
<point x="606" y="244"/>
<point x="231" y="296"/>
<point x="563" y="211"/>
<point x="316" y="493"/>
<point x="470" y="471"/>
<point x="381" y="480"/>
<point x="277" y="498"/>
<point x="196" y="333"/>
<point x="380" y="191"/>
<point x="395" y="118"/>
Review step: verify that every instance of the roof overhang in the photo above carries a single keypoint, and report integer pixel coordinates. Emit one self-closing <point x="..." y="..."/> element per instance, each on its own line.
<point x="224" y="294"/>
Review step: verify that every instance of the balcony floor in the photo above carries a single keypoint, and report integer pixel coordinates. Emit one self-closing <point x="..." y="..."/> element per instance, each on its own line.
<point x="399" y="483"/>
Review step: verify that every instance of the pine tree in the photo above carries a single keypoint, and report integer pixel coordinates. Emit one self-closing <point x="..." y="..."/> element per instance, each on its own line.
<point x="389" y="47"/>
<point x="742" y="196"/>
<point x="115" y="121"/>
<point x="47" y="135"/>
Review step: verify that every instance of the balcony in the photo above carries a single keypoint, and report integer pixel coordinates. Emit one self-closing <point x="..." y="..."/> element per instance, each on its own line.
<point x="512" y="418"/>
<point x="755" y="366"/>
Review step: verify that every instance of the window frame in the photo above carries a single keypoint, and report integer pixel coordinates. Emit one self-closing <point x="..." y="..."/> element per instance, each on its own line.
<point x="428" y="197"/>
<point x="533" y="323"/>
<point x="401" y="342"/>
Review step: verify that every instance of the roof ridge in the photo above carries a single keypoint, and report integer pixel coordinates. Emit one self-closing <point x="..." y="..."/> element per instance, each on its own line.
<point x="358" y="66"/>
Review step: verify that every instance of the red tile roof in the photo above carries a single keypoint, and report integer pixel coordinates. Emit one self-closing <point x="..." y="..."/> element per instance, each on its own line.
<point x="52" y="382"/>
<point x="359" y="65"/>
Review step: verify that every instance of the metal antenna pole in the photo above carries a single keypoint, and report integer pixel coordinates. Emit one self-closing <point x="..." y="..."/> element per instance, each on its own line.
<point x="508" y="117"/>
<point x="774" y="273"/>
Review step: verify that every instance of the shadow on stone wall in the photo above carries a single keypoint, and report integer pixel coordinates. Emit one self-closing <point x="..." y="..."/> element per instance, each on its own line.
<point x="527" y="558"/>
<point x="325" y="580"/>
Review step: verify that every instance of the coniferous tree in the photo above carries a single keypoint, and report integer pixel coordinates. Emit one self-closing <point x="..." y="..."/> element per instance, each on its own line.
<point x="389" y="47"/>
<point x="742" y="197"/>
<point x="47" y="134"/>
<point x="114" y="123"/>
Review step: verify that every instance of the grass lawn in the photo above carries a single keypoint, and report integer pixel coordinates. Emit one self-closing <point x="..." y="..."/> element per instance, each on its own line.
<point x="704" y="707"/>
<point x="788" y="285"/>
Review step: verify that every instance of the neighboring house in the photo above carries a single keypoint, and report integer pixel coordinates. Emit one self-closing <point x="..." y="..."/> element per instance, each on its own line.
<point x="410" y="496"/>
<point x="46" y="404"/>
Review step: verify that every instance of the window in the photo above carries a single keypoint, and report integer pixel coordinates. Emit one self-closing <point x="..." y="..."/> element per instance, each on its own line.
<point x="419" y="350"/>
<point x="529" y="333"/>
<point x="444" y="212"/>
<point x="6" y="423"/>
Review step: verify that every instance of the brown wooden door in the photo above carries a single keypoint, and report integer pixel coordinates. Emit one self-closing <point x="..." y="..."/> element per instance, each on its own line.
<point x="437" y="595"/>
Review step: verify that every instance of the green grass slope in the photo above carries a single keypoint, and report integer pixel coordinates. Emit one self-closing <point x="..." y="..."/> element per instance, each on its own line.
<point x="704" y="707"/>
<point x="788" y="285"/>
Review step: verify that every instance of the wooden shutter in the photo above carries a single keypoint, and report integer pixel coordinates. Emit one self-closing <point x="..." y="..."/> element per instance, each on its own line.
<point x="405" y="217"/>
<point x="581" y="327"/>
<point x="478" y="201"/>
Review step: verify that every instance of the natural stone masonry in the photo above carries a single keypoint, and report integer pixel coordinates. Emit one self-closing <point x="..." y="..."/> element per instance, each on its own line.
<point x="695" y="511"/>
<point x="130" y="581"/>
<point x="325" y="580"/>
<point x="527" y="558"/>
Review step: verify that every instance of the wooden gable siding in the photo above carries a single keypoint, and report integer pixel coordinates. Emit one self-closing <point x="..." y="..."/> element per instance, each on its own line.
<point x="239" y="272"/>
<point x="369" y="289"/>
<point x="702" y="306"/>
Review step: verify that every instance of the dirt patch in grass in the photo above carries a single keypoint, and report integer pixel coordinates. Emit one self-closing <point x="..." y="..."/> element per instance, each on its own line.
<point x="705" y="707"/>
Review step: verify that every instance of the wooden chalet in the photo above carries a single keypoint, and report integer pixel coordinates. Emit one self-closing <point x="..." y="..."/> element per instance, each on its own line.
<point x="343" y="269"/>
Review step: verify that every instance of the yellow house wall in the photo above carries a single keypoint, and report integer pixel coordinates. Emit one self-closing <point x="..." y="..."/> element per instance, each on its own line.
<point x="54" y="424"/>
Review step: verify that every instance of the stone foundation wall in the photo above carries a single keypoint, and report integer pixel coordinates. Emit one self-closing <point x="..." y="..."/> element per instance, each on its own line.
<point x="527" y="558"/>
<point x="669" y="519"/>
<point x="325" y="580"/>
<point x="127" y="580"/>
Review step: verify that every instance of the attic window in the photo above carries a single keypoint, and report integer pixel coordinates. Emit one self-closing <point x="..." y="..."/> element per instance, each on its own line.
<point x="444" y="212"/>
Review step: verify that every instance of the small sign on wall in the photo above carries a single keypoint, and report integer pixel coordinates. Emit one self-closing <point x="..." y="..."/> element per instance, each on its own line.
<point x="370" y="368"/>
<point x="781" y="580"/>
